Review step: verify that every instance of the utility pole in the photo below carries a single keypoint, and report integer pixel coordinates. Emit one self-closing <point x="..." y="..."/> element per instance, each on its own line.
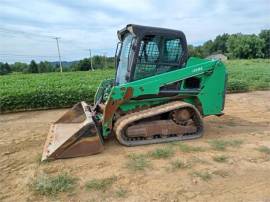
<point x="60" y="62"/>
<point x="105" y="61"/>
<point x="91" y="60"/>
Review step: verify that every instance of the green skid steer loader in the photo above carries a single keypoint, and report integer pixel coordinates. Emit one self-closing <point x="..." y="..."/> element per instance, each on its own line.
<point x="158" y="95"/>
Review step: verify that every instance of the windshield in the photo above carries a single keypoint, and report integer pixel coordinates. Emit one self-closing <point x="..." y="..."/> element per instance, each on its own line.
<point x="123" y="60"/>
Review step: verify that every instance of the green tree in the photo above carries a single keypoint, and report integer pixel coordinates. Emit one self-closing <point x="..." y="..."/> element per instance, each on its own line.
<point x="98" y="62"/>
<point x="219" y="44"/>
<point x="19" y="67"/>
<point x="207" y="48"/>
<point x="2" y="69"/>
<point x="56" y="67"/>
<point x="33" y="67"/>
<point x="245" y="46"/>
<point x="265" y="35"/>
<point x="110" y="62"/>
<point x="5" y="68"/>
<point x="42" y="67"/>
<point x="84" y="65"/>
<point x="45" y="67"/>
<point x="49" y="66"/>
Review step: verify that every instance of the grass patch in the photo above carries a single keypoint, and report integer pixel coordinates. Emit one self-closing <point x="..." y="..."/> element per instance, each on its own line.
<point x="205" y="176"/>
<point x="218" y="144"/>
<point x="235" y="143"/>
<point x="221" y="145"/>
<point x="38" y="158"/>
<point x="121" y="193"/>
<point x="178" y="164"/>
<point x="264" y="149"/>
<point x="196" y="160"/>
<point x="52" y="185"/>
<point x="162" y="153"/>
<point x="187" y="148"/>
<point x="246" y="75"/>
<point x="221" y="158"/>
<point x="100" y="184"/>
<point x="137" y="162"/>
<point x="221" y="173"/>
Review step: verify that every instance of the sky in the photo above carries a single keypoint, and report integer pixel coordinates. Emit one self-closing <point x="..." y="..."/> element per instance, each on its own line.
<point x="27" y="27"/>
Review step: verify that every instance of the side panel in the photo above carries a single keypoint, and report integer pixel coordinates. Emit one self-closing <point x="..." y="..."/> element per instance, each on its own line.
<point x="212" y="94"/>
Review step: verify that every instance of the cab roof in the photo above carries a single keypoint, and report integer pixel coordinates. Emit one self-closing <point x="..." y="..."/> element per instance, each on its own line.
<point x="140" y="31"/>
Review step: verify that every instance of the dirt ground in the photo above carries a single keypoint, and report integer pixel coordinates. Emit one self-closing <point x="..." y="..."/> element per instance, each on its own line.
<point x="244" y="177"/>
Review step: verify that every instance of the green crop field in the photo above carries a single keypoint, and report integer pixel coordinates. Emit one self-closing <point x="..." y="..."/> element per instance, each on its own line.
<point x="55" y="90"/>
<point x="49" y="90"/>
<point x="247" y="75"/>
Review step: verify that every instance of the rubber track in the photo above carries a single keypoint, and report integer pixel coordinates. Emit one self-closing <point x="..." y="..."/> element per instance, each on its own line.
<point x="125" y="120"/>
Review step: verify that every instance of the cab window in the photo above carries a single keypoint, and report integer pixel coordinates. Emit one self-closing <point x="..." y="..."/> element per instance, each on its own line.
<point x="157" y="55"/>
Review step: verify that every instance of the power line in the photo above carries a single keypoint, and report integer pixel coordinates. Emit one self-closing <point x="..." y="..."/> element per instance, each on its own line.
<point x="4" y="30"/>
<point x="20" y="55"/>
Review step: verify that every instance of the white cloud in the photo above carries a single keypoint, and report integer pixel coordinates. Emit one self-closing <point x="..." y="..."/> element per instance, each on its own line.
<point x="25" y="26"/>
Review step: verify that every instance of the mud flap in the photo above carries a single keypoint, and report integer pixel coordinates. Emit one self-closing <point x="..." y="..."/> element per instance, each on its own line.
<point x="74" y="134"/>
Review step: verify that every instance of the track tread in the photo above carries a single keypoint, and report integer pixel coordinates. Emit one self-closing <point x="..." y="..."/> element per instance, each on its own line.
<point x="123" y="121"/>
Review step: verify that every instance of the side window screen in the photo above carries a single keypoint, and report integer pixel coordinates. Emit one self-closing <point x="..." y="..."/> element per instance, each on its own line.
<point x="157" y="55"/>
<point x="149" y="52"/>
<point x="172" y="51"/>
<point x="148" y="57"/>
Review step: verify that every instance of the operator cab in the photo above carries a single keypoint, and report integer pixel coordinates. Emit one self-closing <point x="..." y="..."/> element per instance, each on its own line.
<point x="148" y="51"/>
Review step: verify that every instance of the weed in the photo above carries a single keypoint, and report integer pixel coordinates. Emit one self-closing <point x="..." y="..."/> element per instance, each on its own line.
<point x="221" y="173"/>
<point x="221" y="145"/>
<point x="162" y="153"/>
<point x="52" y="185"/>
<point x="178" y="164"/>
<point x="264" y="149"/>
<point x="221" y="158"/>
<point x="137" y="162"/>
<point x="187" y="148"/>
<point x="235" y="143"/>
<point x="38" y="158"/>
<point x="196" y="160"/>
<point x="205" y="176"/>
<point x="218" y="144"/>
<point x="100" y="184"/>
<point x="121" y="193"/>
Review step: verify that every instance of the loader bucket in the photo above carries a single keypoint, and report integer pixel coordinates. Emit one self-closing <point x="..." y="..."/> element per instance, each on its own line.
<point x="74" y="134"/>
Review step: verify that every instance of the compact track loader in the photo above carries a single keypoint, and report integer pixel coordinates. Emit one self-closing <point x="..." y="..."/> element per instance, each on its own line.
<point x="158" y="95"/>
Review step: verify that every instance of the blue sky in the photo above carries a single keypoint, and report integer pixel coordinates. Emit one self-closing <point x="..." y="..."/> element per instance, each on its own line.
<point x="27" y="26"/>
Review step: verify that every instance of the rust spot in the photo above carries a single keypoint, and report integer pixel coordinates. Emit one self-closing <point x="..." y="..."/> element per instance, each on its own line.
<point x="113" y="105"/>
<point x="128" y="94"/>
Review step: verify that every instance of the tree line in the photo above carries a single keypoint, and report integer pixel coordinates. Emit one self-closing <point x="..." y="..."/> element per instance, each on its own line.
<point x="98" y="62"/>
<point x="235" y="46"/>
